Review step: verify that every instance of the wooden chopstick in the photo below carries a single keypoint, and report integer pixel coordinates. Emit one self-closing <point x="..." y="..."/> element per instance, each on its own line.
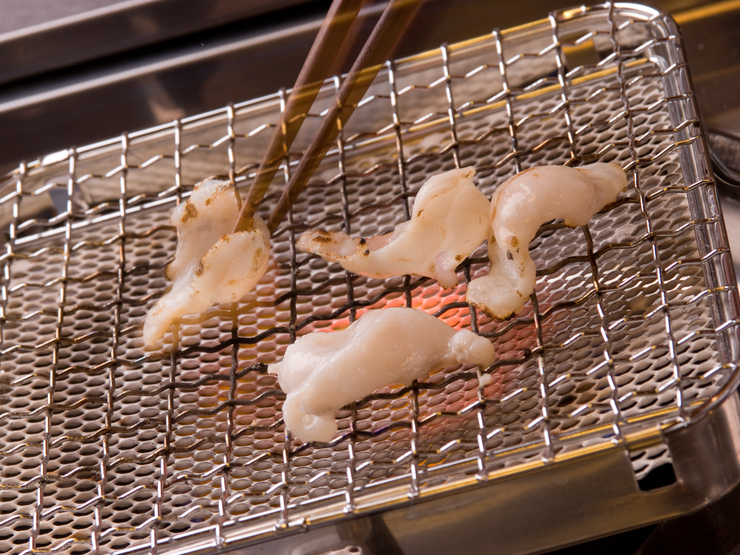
<point x="315" y="70"/>
<point x="378" y="48"/>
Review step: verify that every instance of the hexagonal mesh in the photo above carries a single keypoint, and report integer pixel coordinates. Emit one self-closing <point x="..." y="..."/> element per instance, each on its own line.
<point x="109" y="448"/>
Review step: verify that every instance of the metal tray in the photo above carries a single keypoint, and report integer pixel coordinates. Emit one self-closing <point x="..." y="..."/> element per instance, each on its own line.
<point x="611" y="404"/>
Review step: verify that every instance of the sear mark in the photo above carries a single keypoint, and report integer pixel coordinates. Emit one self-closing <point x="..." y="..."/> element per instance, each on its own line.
<point x="190" y="212"/>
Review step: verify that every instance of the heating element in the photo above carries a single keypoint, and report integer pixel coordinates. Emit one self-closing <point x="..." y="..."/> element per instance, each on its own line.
<point x="629" y="342"/>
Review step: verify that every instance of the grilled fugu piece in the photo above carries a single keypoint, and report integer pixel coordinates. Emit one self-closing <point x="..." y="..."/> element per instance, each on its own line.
<point x="322" y="372"/>
<point x="518" y="208"/>
<point x="450" y="219"/>
<point x="211" y="264"/>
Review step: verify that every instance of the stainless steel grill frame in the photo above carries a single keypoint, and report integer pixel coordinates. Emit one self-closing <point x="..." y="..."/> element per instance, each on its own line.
<point x="623" y="362"/>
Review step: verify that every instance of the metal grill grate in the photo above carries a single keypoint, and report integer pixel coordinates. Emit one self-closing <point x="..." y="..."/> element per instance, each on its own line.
<point x="107" y="448"/>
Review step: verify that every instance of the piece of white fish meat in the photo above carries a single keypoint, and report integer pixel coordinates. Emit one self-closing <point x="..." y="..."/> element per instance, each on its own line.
<point x="518" y="208"/>
<point x="324" y="371"/>
<point x="450" y="219"/>
<point x="211" y="264"/>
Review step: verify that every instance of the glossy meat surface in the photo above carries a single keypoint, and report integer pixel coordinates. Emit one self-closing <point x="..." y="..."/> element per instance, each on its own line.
<point x="211" y="264"/>
<point x="450" y="218"/>
<point x="518" y="208"/>
<point x="322" y="372"/>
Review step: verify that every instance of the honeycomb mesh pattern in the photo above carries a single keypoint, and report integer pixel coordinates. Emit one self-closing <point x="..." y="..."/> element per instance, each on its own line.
<point x="108" y="448"/>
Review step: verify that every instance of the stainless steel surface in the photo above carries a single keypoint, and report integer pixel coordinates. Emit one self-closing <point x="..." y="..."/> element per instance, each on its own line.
<point x="22" y="14"/>
<point x="617" y="367"/>
<point x="712" y="37"/>
<point x="95" y="29"/>
<point x="91" y="102"/>
<point x="570" y="501"/>
<point x="724" y="151"/>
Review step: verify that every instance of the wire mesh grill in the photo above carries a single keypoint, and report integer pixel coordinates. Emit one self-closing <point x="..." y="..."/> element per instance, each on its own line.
<point x="108" y="448"/>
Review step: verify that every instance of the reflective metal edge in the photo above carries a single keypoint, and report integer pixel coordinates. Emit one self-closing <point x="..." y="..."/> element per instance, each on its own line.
<point x="552" y="505"/>
<point x="93" y="107"/>
<point x="117" y="28"/>
<point x="670" y="27"/>
<point x="50" y="113"/>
